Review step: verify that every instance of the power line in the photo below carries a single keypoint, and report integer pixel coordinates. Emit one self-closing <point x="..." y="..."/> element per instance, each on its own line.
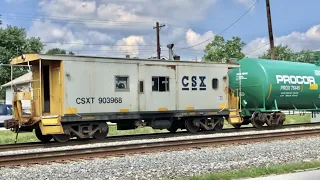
<point x="257" y="48"/>
<point x="222" y="30"/>
<point x="150" y="54"/>
<point x="185" y="28"/>
<point x="18" y="16"/>
<point x="78" y="43"/>
<point x="111" y="50"/>
<point x="37" y="16"/>
<point x="73" y="22"/>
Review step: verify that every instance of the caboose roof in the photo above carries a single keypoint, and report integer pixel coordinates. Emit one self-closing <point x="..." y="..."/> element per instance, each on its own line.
<point x="24" y="59"/>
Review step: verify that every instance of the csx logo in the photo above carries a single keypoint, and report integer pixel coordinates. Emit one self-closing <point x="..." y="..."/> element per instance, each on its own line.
<point x="194" y="82"/>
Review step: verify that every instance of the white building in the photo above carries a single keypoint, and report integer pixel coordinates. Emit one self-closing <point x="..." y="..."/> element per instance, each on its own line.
<point x="22" y="82"/>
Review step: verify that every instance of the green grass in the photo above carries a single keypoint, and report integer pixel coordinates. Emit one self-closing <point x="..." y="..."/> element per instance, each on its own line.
<point x="9" y="137"/>
<point x="290" y="119"/>
<point x="297" y="119"/>
<point x="257" y="171"/>
<point x="141" y="130"/>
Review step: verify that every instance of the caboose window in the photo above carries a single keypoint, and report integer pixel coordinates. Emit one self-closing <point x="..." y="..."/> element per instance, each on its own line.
<point x="141" y="86"/>
<point x="215" y="83"/>
<point x="122" y="83"/>
<point x="160" y="83"/>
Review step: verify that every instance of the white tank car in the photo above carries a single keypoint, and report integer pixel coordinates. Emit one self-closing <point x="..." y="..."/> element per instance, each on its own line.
<point x="80" y="94"/>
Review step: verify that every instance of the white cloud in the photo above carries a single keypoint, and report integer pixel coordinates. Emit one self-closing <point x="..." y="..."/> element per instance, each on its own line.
<point x="67" y="8"/>
<point x="313" y="32"/>
<point x="94" y="36"/>
<point x="256" y="47"/>
<point x="49" y="31"/>
<point x="66" y="38"/>
<point x="128" y="46"/>
<point x="297" y="41"/>
<point x="155" y="9"/>
<point x="194" y="38"/>
<point x="119" y="24"/>
<point x="115" y="12"/>
<point x="123" y="14"/>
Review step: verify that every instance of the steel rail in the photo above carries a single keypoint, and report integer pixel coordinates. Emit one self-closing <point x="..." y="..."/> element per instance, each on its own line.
<point x="94" y="152"/>
<point x="119" y="138"/>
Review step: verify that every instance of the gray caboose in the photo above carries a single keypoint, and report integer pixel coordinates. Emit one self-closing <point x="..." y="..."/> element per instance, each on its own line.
<point x="77" y="95"/>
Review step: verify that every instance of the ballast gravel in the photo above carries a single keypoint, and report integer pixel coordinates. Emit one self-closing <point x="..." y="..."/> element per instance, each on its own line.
<point x="149" y="140"/>
<point x="175" y="163"/>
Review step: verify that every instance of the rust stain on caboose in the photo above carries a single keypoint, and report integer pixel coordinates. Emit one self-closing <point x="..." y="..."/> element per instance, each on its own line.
<point x="88" y="118"/>
<point x="172" y="67"/>
<point x="168" y="66"/>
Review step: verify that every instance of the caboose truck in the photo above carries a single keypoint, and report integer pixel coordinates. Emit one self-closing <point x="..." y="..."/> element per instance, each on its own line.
<point x="74" y="96"/>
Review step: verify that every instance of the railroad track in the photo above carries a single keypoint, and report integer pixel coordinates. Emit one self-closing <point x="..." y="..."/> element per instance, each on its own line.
<point x="119" y="138"/>
<point x="119" y="150"/>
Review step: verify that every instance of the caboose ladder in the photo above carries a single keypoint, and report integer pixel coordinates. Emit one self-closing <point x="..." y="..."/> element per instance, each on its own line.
<point x="234" y="117"/>
<point x="234" y="110"/>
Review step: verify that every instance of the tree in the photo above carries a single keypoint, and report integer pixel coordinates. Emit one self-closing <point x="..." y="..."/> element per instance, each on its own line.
<point x="281" y="53"/>
<point x="56" y="51"/>
<point x="308" y="56"/>
<point x="14" y="42"/>
<point x="219" y="49"/>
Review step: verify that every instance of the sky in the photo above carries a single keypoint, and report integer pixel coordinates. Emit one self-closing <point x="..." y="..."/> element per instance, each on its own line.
<point x="121" y="27"/>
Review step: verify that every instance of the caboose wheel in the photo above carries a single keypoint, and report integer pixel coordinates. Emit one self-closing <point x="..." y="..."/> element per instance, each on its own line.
<point x="237" y="126"/>
<point x="100" y="135"/>
<point x="219" y="125"/>
<point x="191" y="127"/>
<point x="103" y="133"/>
<point x="172" y="129"/>
<point x="61" y="137"/>
<point x="41" y="137"/>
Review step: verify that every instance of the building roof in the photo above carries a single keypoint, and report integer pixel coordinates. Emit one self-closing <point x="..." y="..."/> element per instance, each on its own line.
<point x="26" y="78"/>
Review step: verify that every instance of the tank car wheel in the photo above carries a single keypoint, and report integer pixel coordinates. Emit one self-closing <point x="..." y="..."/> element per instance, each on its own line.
<point x="41" y="137"/>
<point x="61" y="137"/>
<point x="191" y="127"/>
<point x="256" y="122"/>
<point x="269" y="119"/>
<point x="281" y="118"/>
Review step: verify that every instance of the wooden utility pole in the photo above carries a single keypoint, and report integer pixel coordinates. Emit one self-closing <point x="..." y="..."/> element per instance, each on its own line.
<point x="157" y="27"/>
<point x="270" y="30"/>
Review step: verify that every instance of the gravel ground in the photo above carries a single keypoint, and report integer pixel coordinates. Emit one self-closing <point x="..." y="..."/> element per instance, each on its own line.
<point x="149" y="140"/>
<point x="176" y="163"/>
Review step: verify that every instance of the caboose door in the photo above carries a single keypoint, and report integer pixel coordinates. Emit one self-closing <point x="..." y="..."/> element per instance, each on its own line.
<point x="55" y="88"/>
<point x="157" y="87"/>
